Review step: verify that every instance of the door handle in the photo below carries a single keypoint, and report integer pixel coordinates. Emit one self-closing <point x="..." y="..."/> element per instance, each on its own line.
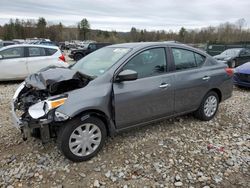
<point x="206" y="78"/>
<point x="164" y="85"/>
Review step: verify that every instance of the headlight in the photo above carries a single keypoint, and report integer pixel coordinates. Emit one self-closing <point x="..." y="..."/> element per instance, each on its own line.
<point x="42" y="108"/>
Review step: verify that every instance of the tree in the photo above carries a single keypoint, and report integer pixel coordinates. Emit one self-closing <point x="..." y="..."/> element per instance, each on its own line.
<point x="182" y="34"/>
<point x="83" y="28"/>
<point x="241" y="23"/>
<point x="41" y="27"/>
<point x="133" y="34"/>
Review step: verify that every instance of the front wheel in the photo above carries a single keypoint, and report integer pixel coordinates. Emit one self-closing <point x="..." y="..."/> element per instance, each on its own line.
<point x="81" y="140"/>
<point x="208" y="107"/>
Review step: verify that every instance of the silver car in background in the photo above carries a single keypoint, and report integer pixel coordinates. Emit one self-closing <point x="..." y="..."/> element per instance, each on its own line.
<point x="116" y="88"/>
<point x="18" y="61"/>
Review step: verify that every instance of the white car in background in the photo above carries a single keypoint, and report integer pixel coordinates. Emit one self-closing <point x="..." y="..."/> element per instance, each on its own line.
<point x="18" y="61"/>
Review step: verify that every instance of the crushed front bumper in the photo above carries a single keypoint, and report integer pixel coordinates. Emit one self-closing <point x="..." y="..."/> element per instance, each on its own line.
<point x="16" y="120"/>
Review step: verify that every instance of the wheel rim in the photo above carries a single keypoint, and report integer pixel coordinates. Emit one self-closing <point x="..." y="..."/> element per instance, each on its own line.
<point x="210" y="106"/>
<point x="85" y="139"/>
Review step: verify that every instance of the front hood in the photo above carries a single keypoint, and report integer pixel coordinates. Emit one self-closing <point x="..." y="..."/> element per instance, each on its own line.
<point x="56" y="80"/>
<point x="243" y="69"/>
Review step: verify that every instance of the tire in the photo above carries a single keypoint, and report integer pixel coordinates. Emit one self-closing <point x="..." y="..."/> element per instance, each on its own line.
<point x="78" y="56"/>
<point x="203" y="111"/>
<point x="77" y="146"/>
<point x="232" y="64"/>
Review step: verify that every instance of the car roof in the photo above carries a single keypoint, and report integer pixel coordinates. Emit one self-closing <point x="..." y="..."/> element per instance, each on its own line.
<point x="146" y="44"/>
<point x="28" y="45"/>
<point x="141" y="45"/>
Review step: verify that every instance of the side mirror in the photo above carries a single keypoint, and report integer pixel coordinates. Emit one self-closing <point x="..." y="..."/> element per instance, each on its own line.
<point x="126" y="75"/>
<point x="1" y="57"/>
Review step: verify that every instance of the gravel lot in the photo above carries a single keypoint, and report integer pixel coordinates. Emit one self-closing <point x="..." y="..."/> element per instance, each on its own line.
<point x="171" y="153"/>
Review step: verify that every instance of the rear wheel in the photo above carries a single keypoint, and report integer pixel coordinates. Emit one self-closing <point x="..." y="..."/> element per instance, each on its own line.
<point x="208" y="107"/>
<point x="81" y="140"/>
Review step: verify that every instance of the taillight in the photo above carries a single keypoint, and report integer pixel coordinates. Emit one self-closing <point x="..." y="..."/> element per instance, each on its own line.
<point x="62" y="58"/>
<point x="229" y="71"/>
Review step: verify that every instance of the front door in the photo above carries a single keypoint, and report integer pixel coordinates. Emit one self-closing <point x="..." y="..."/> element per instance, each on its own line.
<point x="149" y="97"/>
<point x="13" y="64"/>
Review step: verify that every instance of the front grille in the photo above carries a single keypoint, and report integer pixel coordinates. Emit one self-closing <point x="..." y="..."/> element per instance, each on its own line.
<point x="243" y="77"/>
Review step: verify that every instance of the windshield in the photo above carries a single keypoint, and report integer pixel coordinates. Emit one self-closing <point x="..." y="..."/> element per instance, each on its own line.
<point x="231" y="52"/>
<point x="96" y="63"/>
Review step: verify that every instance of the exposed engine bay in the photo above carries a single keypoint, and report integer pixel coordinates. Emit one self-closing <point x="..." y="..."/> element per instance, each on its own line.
<point x="49" y="82"/>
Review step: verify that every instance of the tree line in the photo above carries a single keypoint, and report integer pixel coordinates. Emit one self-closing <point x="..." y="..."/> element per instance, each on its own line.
<point x="22" y="29"/>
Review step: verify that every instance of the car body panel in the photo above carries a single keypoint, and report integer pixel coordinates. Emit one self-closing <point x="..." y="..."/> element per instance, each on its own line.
<point x="13" y="68"/>
<point x="144" y="98"/>
<point x="242" y="75"/>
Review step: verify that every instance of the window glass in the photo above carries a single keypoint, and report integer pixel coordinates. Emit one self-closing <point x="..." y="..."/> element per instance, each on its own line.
<point x="199" y="59"/>
<point x="247" y="52"/>
<point x="13" y="53"/>
<point x="183" y="59"/>
<point x="35" y="51"/>
<point x="50" y="51"/>
<point x="98" y="62"/>
<point x="92" y="46"/>
<point x="148" y="63"/>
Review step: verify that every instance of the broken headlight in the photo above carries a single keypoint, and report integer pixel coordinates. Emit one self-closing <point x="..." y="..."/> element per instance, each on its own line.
<point x="41" y="108"/>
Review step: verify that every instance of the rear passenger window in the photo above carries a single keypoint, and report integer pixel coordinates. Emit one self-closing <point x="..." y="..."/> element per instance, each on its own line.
<point x="199" y="59"/>
<point x="183" y="59"/>
<point x="35" y="52"/>
<point x="50" y="51"/>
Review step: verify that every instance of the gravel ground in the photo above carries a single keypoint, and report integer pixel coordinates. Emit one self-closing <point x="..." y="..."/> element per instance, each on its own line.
<point x="172" y="153"/>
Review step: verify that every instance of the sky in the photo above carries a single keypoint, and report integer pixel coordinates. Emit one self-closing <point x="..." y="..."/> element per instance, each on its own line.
<point x="121" y="15"/>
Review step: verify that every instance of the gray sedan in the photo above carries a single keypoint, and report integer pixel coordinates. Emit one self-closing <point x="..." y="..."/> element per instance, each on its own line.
<point x="116" y="88"/>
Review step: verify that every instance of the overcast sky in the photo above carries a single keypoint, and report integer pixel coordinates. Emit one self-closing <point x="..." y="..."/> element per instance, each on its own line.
<point x="121" y="15"/>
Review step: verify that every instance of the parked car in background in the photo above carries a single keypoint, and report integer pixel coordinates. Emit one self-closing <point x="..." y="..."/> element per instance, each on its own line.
<point x="78" y="54"/>
<point x="234" y="57"/>
<point x="116" y="88"/>
<point x="46" y="42"/>
<point x="18" y="61"/>
<point x="242" y="75"/>
<point x="6" y="43"/>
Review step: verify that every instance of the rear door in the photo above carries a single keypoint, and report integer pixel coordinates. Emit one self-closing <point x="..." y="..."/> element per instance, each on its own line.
<point x="39" y="58"/>
<point x="149" y="97"/>
<point x="191" y="79"/>
<point x="13" y="64"/>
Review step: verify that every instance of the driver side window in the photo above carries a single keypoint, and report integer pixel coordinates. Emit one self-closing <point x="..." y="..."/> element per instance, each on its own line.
<point x="148" y="63"/>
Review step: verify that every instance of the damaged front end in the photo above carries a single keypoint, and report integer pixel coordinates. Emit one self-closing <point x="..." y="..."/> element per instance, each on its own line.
<point x="35" y="101"/>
